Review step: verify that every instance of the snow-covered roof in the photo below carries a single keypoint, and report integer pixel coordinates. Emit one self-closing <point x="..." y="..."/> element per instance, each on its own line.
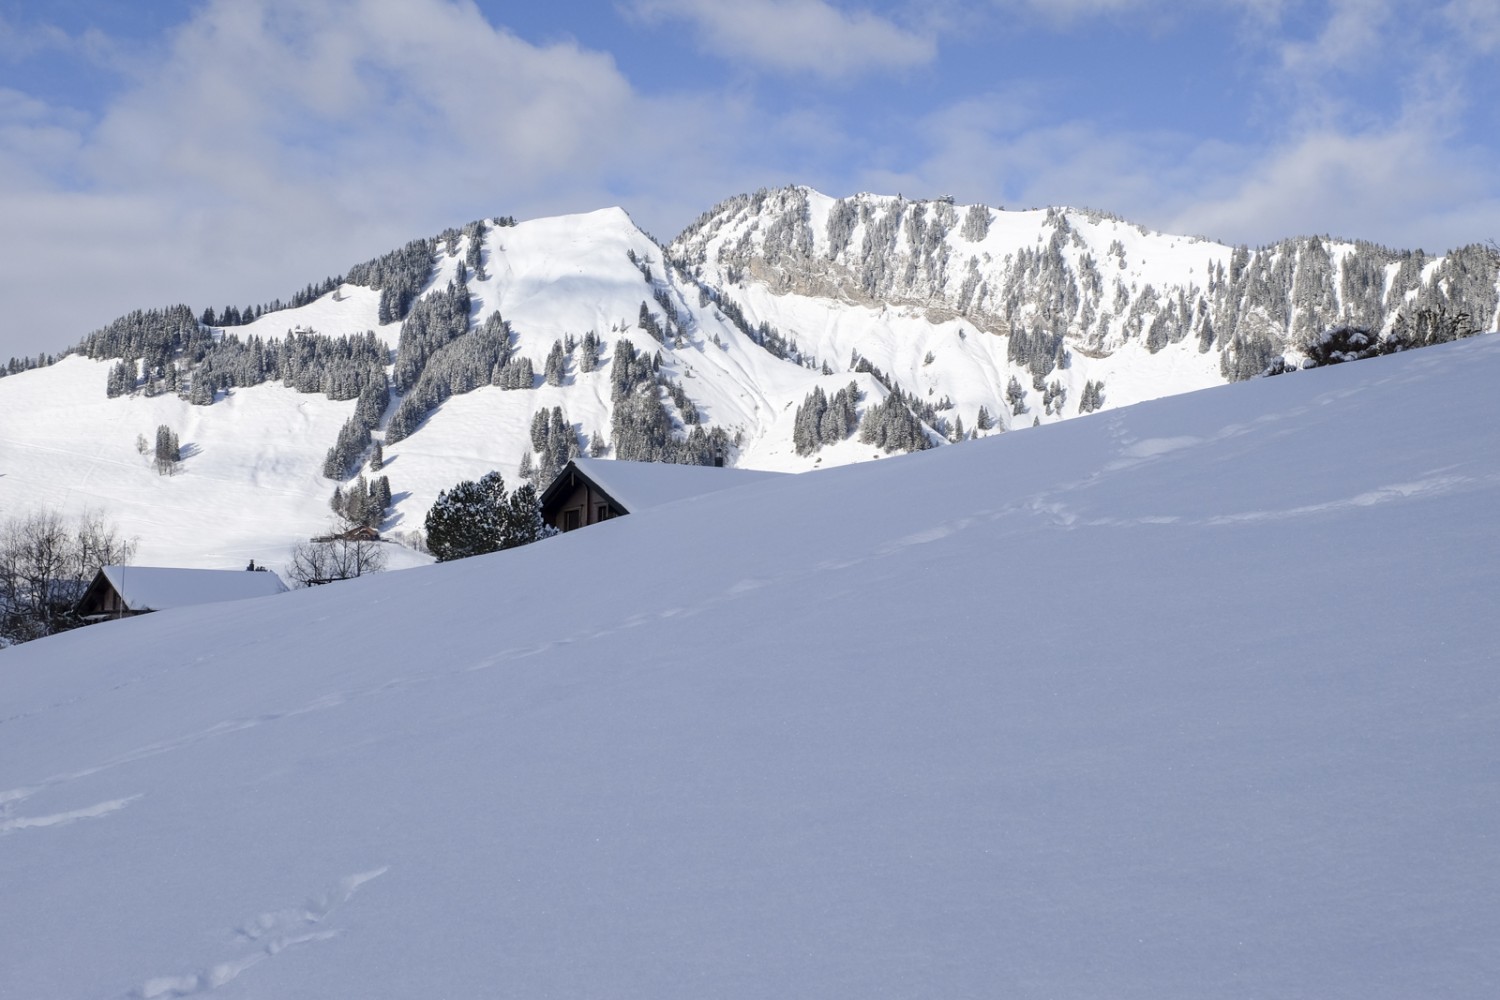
<point x="158" y="588"/>
<point x="640" y="485"/>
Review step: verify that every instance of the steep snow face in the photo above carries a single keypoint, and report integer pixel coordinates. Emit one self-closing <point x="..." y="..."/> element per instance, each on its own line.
<point x="1196" y="698"/>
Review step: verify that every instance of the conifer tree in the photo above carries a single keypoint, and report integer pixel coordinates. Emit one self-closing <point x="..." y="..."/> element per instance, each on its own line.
<point x="168" y="452"/>
<point x="474" y="518"/>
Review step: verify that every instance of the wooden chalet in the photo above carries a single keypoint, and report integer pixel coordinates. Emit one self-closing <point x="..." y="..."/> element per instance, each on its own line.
<point x="126" y="591"/>
<point x="588" y="491"/>
<point x="574" y="499"/>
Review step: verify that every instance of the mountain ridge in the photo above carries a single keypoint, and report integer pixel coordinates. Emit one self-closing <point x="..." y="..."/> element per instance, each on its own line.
<point x="511" y="346"/>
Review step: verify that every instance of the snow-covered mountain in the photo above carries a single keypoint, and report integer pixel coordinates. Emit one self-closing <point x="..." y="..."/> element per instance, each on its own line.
<point x="1094" y="282"/>
<point x="740" y="340"/>
<point x="1195" y="698"/>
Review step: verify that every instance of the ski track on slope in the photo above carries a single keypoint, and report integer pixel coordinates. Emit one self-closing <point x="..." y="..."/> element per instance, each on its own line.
<point x="270" y="934"/>
<point x="1424" y="488"/>
<point x="9" y="825"/>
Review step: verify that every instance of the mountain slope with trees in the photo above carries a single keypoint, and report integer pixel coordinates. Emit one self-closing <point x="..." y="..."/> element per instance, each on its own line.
<point x="784" y="330"/>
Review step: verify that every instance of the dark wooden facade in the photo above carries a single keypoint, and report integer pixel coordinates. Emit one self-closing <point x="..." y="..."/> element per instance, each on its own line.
<point x="102" y="600"/>
<point x="573" y="500"/>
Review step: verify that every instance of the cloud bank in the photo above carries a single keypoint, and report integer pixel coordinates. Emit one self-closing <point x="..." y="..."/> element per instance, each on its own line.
<point x="261" y="144"/>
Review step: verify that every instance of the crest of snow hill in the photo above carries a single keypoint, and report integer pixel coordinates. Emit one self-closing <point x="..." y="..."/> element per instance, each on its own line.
<point x="782" y="330"/>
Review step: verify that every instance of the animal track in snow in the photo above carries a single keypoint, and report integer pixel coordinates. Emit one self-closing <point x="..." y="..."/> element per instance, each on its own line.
<point x="270" y="934"/>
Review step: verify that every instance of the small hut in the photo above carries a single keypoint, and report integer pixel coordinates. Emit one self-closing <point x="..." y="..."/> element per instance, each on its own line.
<point x="125" y="591"/>
<point x="588" y="491"/>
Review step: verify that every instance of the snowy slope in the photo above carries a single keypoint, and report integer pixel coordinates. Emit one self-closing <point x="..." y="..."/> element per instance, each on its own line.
<point x="1192" y="699"/>
<point x="248" y="484"/>
<point x="251" y="485"/>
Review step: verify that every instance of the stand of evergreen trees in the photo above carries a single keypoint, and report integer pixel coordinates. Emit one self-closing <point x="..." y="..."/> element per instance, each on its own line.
<point x="441" y="362"/>
<point x="355" y="435"/>
<point x="821" y="420"/>
<point x="474" y="255"/>
<point x="1092" y="398"/>
<point x="161" y="350"/>
<point x="17" y="365"/>
<point x="1015" y="395"/>
<point x="555" y="443"/>
<point x="893" y="425"/>
<point x="168" y="452"/>
<point x="399" y="275"/>
<point x="364" y="504"/>
<point x="474" y="518"/>
<point x="590" y="348"/>
<point x="920" y="408"/>
<point x="517" y="373"/>
<point x="434" y="322"/>
<point x="642" y="429"/>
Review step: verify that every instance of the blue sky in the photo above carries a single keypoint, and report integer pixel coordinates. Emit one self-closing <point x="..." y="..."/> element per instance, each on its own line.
<point x="232" y="150"/>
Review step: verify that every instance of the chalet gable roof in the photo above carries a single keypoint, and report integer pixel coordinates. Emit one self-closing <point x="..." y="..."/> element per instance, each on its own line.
<point x="636" y="486"/>
<point x="160" y="588"/>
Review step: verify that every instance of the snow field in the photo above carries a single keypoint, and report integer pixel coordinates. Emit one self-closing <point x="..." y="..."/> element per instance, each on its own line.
<point x="1191" y="699"/>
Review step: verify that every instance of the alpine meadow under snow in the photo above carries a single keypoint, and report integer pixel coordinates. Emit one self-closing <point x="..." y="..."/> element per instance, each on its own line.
<point x="1195" y="698"/>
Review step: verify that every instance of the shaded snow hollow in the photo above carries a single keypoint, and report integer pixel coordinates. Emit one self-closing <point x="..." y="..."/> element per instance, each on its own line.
<point x="1194" y="699"/>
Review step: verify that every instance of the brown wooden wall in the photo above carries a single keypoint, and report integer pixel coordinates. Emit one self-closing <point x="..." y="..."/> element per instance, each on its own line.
<point x="585" y="503"/>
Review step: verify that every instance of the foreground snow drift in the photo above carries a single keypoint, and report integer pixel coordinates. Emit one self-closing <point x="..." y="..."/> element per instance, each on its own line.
<point x="1192" y="699"/>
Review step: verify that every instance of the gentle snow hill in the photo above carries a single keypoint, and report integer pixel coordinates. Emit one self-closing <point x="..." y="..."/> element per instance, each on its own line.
<point x="248" y="486"/>
<point x="1194" y="699"/>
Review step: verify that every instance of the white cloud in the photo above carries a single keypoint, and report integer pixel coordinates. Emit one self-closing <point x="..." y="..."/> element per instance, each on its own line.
<point x="267" y="143"/>
<point x="274" y="142"/>
<point x="1477" y="23"/>
<point x="1405" y="187"/>
<point x="799" y="36"/>
<point x="1354" y="31"/>
<point x="1408" y="185"/>
<point x="1068" y="10"/>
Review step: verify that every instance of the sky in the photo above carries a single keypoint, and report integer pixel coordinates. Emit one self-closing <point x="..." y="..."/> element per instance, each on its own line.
<point x="232" y="151"/>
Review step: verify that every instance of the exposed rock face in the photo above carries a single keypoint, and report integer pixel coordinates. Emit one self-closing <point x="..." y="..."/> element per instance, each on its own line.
<point x="1090" y="277"/>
